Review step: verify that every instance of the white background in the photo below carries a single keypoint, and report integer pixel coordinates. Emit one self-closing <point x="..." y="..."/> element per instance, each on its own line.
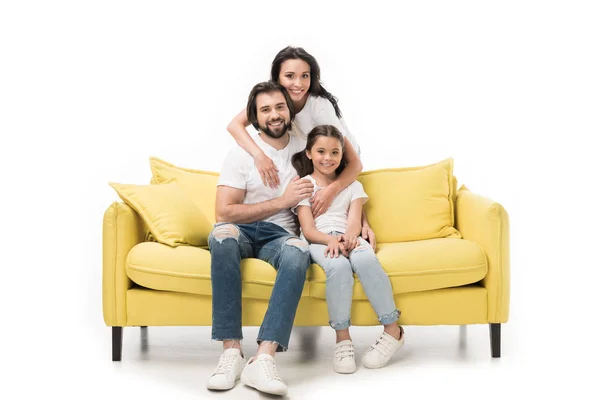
<point x="89" y="90"/>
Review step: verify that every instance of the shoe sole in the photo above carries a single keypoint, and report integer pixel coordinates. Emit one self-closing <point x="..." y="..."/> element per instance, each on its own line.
<point x="222" y="389"/>
<point x="344" y="370"/>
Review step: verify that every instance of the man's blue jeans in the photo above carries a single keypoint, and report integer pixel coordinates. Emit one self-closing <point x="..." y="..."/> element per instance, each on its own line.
<point x="288" y="254"/>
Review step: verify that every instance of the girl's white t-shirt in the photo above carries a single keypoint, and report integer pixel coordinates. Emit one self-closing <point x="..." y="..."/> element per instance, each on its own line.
<point x="320" y="111"/>
<point x="336" y="217"/>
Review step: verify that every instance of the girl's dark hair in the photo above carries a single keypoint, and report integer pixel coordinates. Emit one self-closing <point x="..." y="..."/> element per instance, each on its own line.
<point x="316" y="89"/>
<point x="266" y="87"/>
<point x="301" y="162"/>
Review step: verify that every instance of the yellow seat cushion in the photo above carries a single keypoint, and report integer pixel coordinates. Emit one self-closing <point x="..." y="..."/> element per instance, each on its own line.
<point x="419" y="266"/>
<point x="413" y="203"/>
<point x="201" y="186"/>
<point x="172" y="218"/>
<point x="186" y="269"/>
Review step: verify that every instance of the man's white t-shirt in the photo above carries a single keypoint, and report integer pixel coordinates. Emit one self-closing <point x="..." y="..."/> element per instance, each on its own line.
<point x="239" y="172"/>
<point x="336" y="217"/>
<point x="320" y="111"/>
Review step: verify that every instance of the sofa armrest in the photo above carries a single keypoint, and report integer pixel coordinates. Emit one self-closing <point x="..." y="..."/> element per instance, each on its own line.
<point x="122" y="229"/>
<point x="486" y="223"/>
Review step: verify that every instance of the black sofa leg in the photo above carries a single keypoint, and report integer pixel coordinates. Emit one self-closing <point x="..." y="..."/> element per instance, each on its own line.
<point x="117" y="342"/>
<point x="495" y="340"/>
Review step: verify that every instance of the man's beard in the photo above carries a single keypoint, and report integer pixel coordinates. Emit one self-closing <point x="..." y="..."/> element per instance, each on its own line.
<point x="285" y="127"/>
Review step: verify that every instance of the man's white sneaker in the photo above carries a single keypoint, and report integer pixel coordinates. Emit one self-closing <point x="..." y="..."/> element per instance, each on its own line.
<point x="382" y="351"/>
<point x="261" y="374"/>
<point x="228" y="371"/>
<point x="343" y="358"/>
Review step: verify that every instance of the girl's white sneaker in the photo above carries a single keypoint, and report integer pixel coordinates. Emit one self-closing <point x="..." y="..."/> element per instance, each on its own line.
<point x="343" y="358"/>
<point x="382" y="351"/>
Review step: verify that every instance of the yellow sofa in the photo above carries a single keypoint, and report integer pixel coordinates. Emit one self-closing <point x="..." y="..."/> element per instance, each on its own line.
<point x="445" y="250"/>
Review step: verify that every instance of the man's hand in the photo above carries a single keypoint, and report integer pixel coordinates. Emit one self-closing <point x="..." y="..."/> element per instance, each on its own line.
<point x="368" y="235"/>
<point x="335" y="247"/>
<point x="267" y="170"/>
<point x="297" y="190"/>
<point x="322" y="200"/>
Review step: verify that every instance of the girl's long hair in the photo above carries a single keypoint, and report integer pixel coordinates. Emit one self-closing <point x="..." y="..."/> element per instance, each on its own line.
<point x="316" y="89"/>
<point x="303" y="164"/>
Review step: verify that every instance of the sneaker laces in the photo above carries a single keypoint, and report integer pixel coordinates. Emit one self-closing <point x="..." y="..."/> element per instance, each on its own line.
<point x="270" y="369"/>
<point x="225" y="364"/>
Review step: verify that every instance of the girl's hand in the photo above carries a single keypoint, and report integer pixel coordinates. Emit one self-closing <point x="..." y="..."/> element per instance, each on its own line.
<point x="268" y="170"/>
<point x="335" y="247"/>
<point x="350" y="242"/>
<point x="321" y="200"/>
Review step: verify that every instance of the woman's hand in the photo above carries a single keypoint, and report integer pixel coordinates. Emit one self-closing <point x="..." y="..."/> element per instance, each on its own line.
<point x="368" y="235"/>
<point x="335" y="247"/>
<point x="321" y="201"/>
<point x="268" y="170"/>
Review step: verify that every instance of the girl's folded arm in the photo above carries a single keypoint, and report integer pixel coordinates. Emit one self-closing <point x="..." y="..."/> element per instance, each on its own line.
<point x="307" y="222"/>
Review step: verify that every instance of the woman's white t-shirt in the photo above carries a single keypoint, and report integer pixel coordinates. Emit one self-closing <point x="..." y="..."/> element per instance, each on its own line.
<point x="320" y="111"/>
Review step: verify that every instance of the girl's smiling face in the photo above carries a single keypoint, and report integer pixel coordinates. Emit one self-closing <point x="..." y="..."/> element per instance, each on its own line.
<point x="326" y="155"/>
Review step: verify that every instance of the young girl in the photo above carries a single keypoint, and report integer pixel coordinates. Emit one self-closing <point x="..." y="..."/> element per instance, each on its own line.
<point x="299" y="73"/>
<point x="336" y="247"/>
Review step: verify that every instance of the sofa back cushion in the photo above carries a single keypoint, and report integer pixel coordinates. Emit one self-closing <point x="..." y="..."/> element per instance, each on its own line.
<point x="405" y="204"/>
<point x="172" y="218"/>
<point x="201" y="186"/>
<point x="413" y="203"/>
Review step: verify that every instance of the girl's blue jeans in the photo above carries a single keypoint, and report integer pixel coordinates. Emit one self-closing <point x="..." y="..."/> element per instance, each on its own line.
<point x="340" y="283"/>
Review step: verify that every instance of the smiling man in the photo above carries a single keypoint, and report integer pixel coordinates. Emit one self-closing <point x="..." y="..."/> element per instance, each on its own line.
<point x="255" y="221"/>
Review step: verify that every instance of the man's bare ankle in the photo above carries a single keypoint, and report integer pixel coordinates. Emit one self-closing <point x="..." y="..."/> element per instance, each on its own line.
<point x="232" y="344"/>
<point x="267" y="347"/>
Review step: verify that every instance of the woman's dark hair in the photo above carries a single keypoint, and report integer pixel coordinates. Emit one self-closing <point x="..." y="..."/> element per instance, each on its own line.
<point x="316" y="89"/>
<point x="301" y="162"/>
<point x="266" y="87"/>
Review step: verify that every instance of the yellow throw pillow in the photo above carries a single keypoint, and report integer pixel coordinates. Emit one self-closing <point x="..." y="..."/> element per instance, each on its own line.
<point x="172" y="218"/>
<point x="413" y="203"/>
<point x="201" y="186"/>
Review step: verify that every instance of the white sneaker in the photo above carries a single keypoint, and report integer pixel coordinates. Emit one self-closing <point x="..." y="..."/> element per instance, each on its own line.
<point x="228" y="371"/>
<point x="343" y="358"/>
<point x="382" y="351"/>
<point x="261" y="374"/>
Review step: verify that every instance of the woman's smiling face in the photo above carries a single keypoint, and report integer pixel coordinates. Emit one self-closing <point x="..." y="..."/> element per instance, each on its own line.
<point x="295" y="78"/>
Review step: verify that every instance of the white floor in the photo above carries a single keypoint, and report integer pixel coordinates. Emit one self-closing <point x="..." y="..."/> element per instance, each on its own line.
<point x="68" y="354"/>
<point x="444" y="361"/>
<point x="434" y="360"/>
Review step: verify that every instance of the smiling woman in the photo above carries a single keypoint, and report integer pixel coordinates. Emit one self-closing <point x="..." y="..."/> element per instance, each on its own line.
<point x="299" y="73"/>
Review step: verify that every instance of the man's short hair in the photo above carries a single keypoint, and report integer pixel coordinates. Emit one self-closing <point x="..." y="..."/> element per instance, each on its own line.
<point x="266" y="87"/>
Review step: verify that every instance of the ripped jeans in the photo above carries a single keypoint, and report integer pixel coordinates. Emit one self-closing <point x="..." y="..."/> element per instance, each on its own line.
<point x="340" y="283"/>
<point x="288" y="254"/>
